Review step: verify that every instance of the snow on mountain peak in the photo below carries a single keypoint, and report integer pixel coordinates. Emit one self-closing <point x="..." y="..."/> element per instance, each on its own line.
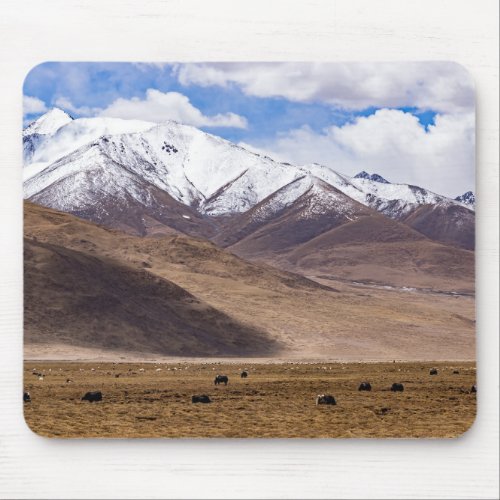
<point x="41" y="150"/>
<point x="315" y="196"/>
<point x="48" y="123"/>
<point x="200" y="170"/>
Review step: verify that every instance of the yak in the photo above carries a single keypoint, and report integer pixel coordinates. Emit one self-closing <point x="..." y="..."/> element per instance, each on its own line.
<point x="325" y="399"/>
<point x="397" y="387"/>
<point x="203" y="398"/>
<point x="92" y="396"/>
<point x="244" y="374"/>
<point x="27" y="397"/>
<point x="221" y="379"/>
<point x="365" y="386"/>
<point x="433" y="371"/>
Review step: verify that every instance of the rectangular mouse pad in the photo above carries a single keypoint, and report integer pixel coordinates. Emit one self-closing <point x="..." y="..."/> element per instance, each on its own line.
<point x="249" y="250"/>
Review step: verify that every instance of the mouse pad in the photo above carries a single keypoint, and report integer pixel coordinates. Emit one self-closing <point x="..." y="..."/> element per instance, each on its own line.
<point x="249" y="250"/>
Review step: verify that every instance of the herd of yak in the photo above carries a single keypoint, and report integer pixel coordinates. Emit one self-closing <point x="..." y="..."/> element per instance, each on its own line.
<point x="321" y="399"/>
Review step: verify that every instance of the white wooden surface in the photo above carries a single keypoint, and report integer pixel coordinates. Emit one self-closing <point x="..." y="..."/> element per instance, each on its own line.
<point x="34" y="31"/>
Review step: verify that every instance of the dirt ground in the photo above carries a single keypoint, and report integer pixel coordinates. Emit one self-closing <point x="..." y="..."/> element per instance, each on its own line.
<point x="275" y="400"/>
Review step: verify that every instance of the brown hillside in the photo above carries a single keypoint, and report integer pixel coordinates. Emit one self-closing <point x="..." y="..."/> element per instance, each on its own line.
<point x="334" y="320"/>
<point x="449" y="224"/>
<point x="321" y="208"/>
<point x="373" y="248"/>
<point x="78" y="299"/>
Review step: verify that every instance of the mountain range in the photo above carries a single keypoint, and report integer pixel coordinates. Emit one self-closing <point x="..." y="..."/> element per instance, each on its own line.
<point x="149" y="178"/>
<point x="162" y="239"/>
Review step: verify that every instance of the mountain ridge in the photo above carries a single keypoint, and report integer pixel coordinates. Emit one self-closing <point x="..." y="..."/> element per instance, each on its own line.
<point x="90" y="165"/>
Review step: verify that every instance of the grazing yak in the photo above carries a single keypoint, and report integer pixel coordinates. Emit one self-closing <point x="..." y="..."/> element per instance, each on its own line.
<point x="92" y="396"/>
<point x="397" y="387"/>
<point x="203" y="398"/>
<point x="456" y="372"/>
<point x="244" y="374"/>
<point x="221" y="379"/>
<point x="473" y="389"/>
<point x="365" y="386"/>
<point x="325" y="399"/>
<point x="433" y="371"/>
<point x="27" y="397"/>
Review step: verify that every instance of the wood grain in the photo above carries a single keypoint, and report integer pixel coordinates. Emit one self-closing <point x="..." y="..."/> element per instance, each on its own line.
<point x="158" y="30"/>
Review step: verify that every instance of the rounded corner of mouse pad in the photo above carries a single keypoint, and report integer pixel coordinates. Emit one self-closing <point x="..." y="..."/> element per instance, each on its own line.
<point x="245" y="249"/>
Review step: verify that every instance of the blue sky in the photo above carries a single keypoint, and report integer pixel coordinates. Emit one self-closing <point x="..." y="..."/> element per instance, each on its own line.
<point x="96" y="85"/>
<point x="298" y="112"/>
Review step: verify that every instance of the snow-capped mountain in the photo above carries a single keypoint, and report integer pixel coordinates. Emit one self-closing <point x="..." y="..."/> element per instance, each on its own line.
<point x="193" y="167"/>
<point x="293" y="214"/>
<point x="42" y="150"/>
<point x="91" y="166"/>
<point x="48" y="123"/>
<point x="320" y="196"/>
<point x="468" y="199"/>
<point x="393" y="200"/>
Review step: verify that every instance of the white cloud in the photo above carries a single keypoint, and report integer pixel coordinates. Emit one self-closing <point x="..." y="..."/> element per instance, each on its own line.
<point x="157" y="107"/>
<point x="67" y="105"/>
<point x="33" y="105"/>
<point x="441" y="86"/>
<point x="391" y="143"/>
<point x="160" y="106"/>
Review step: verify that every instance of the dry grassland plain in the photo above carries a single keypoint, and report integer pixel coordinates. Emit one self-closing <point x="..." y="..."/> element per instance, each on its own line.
<point x="275" y="400"/>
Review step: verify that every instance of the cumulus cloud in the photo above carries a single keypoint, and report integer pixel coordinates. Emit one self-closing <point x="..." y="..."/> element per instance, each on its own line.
<point x="33" y="105"/>
<point x="391" y="143"/>
<point x="160" y="106"/>
<point x="67" y="105"/>
<point x="156" y="107"/>
<point x="440" y="86"/>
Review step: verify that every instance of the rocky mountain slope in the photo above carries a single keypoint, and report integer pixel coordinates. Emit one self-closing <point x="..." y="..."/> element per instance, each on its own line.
<point x="468" y="199"/>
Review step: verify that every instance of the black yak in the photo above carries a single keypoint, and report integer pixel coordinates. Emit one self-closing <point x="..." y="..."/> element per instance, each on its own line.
<point x="397" y="387"/>
<point x="221" y="379"/>
<point x="92" y="396"/>
<point x="365" y="386"/>
<point x="325" y="399"/>
<point x="203" y="398"/>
